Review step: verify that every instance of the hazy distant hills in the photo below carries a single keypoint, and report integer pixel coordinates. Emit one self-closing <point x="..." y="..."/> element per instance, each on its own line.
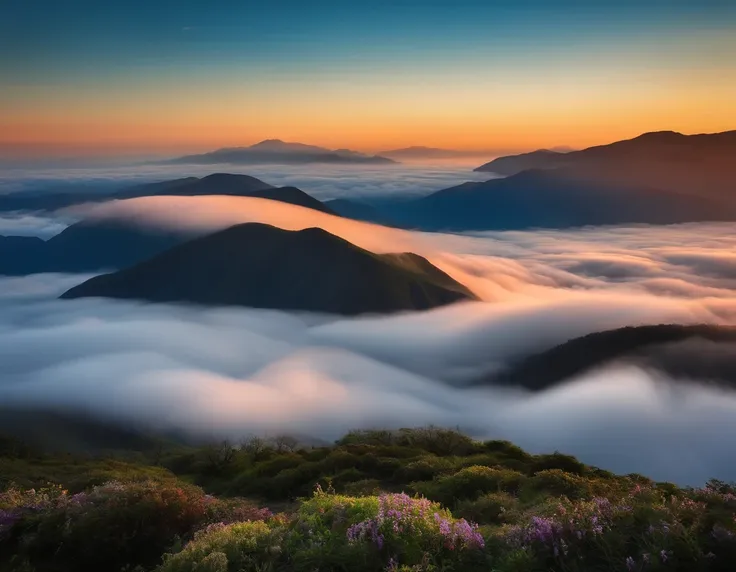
<point x="706" y="353"/>
<point x="86" y="246"/>
<point x="261" y="266"/>
<point x="657" y="178"/>
<point x="701" y="165"/>
<point x="215" y="184"/>
<point x="280" y="152"/>
<point x="91" y="245"/>
<point x="550" y="199"/>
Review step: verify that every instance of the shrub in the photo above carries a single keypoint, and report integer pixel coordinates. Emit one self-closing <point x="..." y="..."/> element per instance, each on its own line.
<point x="556" y="483"/>
<point x="370" y="533"/>
<point x="437" y="440"/>
<point x="75" y="475"/>
<point x="556" y="460"/>
<point x="240" y="547"/>
<point x="470" y="483"/>
<point x="508" y="450"/>
<point x="110" y="527"/>
<point x="640" y="531"/>
<point x="364" y="487"/>
<point x="490" y="508"/>
<point x="423" y="469"/>
<point x="368" y="437"/>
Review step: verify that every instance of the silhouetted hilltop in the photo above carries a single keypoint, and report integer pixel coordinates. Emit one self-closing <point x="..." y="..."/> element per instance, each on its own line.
<point x="91" y="245"/>
<point x="86" y="246"/>
<point x="262" y="266"/>
<point x="214" y="184"/>
<point x="702" y="165"/>
<point x="226" y="184"/>
<point x="706" y="353"/>
<point x="277" y="151"/>
<point x="513" y="164"/>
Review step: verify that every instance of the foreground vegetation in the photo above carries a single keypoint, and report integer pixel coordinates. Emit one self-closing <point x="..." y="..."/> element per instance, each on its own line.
<point x="411" y="500"/>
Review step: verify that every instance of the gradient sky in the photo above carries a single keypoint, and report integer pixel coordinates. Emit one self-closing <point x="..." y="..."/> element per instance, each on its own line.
<point x="83" y="76"/>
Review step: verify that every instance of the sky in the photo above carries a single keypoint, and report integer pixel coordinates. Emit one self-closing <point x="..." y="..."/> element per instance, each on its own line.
<point x="163" y="77"/>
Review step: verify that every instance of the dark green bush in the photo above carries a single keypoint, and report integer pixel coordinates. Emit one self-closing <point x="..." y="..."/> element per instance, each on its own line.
<point x="470" y="483"/>
<point x="113" y="527"/>
<point x="554" y="482"/>
<point x="423" y="469"/>
<point x="556" y="460"/>
<point x="507" y="450"/>
<point x="490" y="508"/>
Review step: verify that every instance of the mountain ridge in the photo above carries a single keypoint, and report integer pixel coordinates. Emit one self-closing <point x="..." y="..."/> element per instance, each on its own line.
<point x="261" y="266"/>
<point x="279" y="152"/>
<point x="703" y="164"/>
<point x="91" y="245"/>
<point x="701" y="351"/>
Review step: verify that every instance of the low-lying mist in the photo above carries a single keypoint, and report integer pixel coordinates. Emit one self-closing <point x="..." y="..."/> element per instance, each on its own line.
<point x="231" y="372"/>
<point x="319" y="180"/>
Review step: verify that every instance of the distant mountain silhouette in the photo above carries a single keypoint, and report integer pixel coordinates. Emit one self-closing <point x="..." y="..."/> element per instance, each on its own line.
<point x="701" y="165"/>
<point x="261" y="266"/>
<point x="550" y="199"/>
<point x="215" y="184"/>
<point x="86" y="246"/>
<point x="92" y="245"/>
<point x="513" y="164"/>
<point x="23" y="255"/>
<point x="280" y="152"/>
<point x="419" y="152"/>
<point x="703" y="352"/>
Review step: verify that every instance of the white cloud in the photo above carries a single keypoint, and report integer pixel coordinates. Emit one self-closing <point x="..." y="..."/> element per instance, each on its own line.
<point x="233" y="371"/>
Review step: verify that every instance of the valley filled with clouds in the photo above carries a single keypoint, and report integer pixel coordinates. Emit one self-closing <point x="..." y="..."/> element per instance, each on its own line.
<point x="233" y="371"/>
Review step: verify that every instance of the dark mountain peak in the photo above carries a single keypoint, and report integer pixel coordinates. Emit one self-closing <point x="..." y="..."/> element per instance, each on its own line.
<point x="278" y="151"/>
<point x="279" y="146"/>
<point x="699" y="165"/>
<point x="703" y="351"/>
<point x="216" y="177"/>
<point x="92" y="244"/>
<point x="665" y="135"/>
<point x="262" y="266"/>
<point x="230" y="178"/>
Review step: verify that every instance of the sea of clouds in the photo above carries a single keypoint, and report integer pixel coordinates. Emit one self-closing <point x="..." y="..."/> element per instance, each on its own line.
<point x="324" y="182"/>
<point x="231" y="372"/>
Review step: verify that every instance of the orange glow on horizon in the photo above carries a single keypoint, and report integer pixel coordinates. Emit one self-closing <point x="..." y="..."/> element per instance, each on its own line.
<point x="580" y="104"/>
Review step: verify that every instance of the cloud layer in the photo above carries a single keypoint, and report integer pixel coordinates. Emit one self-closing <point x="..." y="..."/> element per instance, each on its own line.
<point x="321" y="181"/>
<point x="236" y="371"/>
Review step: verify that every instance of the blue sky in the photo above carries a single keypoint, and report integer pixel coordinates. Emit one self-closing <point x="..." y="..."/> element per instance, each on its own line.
<point x="67" y="66"/>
